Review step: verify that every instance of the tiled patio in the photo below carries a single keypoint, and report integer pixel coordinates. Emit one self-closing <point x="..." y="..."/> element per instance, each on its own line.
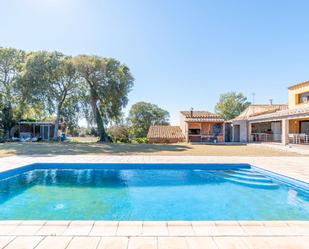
<point x="159" y="235"/>
<point x="122" y="235"/>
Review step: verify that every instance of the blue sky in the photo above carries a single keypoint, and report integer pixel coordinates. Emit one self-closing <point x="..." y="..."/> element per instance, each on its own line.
<point x="182" y="53"/>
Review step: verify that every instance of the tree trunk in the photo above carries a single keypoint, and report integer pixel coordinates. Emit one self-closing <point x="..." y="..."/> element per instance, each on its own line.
<point x="98" y="118"/>
<point x="101" y="130"/>
<point x="56" y="125"/>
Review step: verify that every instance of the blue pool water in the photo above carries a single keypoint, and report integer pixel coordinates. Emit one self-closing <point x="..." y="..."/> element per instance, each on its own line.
<point x="138" y="193"/>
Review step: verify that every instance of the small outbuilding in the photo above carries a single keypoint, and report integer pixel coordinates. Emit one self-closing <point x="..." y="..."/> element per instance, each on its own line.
<point x="35" y="131"/>
<point x="165" y="134"/>
<point x="202" y="127"/>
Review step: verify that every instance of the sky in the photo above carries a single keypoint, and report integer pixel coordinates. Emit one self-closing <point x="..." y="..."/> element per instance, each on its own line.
<point x="182" y="53"/>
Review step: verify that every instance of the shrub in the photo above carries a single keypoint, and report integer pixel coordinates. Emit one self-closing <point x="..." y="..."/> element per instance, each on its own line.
<point x="118" y="134"/>
<point x="140" y="140"/>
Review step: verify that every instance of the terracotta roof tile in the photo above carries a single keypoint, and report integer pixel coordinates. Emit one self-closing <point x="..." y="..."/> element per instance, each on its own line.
<point x="201" y="116"/>
<point x="165" y="132"/>
<point x="254" y="110"/>
<point x="282" y="114"/>
<point x="212" y="120"/>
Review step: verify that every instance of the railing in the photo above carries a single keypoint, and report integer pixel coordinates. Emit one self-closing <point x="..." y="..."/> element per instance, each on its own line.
<point x="298" y="138"/>
<point x="265" y="137"/>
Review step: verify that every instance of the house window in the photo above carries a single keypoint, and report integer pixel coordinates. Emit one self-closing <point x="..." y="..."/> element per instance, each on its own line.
<point x="303" y="98"/>
<point x="194" y="131"/>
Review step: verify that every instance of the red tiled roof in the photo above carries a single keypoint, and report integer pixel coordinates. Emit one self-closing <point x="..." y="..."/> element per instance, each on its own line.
<point x="302" y="84"/>
<point x="201" y="116"/>
<point x="282" y="114"/>
<point x="255" y="110"/>
<point x="165" y="132"/>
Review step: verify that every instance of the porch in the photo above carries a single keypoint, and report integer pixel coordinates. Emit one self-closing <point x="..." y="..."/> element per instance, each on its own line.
<point x="299" y="131"/>
<point x="205" y="132"/>
<point x="35" y="131"/>
<point x="286" y="131"/>
<point x="265" y="132"/>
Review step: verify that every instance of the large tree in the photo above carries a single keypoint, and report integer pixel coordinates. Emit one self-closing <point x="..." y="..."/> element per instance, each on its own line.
<point x="108" y="83"/>
<point x="54" y="82"/>
<point x="231" y="104"/>
<point x="11" y="63"/>
<point x="142" y="115"/>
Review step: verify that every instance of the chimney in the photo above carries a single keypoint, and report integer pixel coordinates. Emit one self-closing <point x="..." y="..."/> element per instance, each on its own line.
<point x="191" y="113"/>
<point x="270" y="102"/>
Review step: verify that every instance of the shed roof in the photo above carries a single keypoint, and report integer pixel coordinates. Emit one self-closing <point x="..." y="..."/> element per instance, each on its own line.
<point x="165" y="132"/>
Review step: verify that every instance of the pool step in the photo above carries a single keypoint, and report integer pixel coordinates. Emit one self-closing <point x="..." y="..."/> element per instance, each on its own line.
<point x="248" y="178"/>
<point x="253" y="183"/>
<point x="246" y="173"/>
<point x="255" y="178"/>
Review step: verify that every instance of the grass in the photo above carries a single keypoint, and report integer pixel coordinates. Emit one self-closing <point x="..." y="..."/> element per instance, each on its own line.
<point x="91" y="148"/>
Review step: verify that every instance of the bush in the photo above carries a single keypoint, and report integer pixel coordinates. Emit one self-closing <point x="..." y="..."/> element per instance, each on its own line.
<point x="118" y="134"/>
<point x="140" y="140"/>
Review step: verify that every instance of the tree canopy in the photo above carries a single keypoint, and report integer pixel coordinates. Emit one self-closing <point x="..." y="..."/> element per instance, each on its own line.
<point x="44" y="84"/>
<point x="11" y="62"/>
<point x="142" y="115"/>
<point x="231" y="104"/>
<point x="108" y="83"/>
<point x="53" y="79"/>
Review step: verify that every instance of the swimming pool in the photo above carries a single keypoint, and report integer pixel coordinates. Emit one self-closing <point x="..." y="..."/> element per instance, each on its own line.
<point x="150" y="192"/>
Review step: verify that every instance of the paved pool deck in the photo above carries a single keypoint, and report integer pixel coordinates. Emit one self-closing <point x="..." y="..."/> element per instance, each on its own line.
<point x="165" y="234"/>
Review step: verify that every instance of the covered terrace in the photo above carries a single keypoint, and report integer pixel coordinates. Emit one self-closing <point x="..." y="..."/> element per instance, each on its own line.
<point x="288" y="127"/>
